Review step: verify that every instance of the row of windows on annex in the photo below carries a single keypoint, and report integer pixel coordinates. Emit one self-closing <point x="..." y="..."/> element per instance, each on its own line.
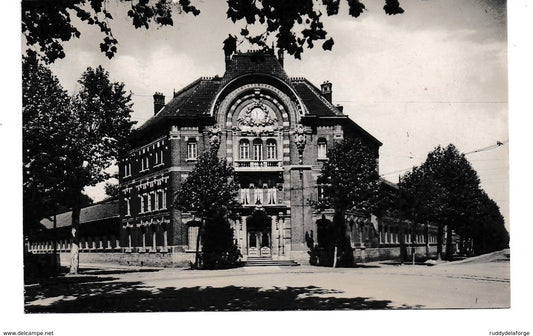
<point x="389" y="235"/>
<point x="144" y="162"/>
<point x="146" y="238"/>
<point x="86" y="244"/>
<point x="366" y="235"/>
<point x="147" y="202"/>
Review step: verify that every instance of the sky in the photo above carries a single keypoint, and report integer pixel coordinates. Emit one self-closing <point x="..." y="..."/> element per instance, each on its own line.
<point x="435" y="75"/>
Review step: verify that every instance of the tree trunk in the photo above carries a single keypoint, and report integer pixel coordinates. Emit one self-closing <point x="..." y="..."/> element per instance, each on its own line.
<point x="340" y="233"/>
<point x="198" y="237"/>
<point x="56" y="257"/>
<point x="449" y="241"/>
<point x="413" y="242"/>
<point x="439" y="241"/>
<point x="74" y="250"/>
<point x="401" y="238"/>
<point x="335" y="256"/>
<point x="426" y="238"/>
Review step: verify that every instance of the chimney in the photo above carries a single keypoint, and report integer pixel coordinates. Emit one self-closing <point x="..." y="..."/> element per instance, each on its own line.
<point x="159" y="102"/>
<point x="326" y="90"/>
<point x="280" y="56"/>
<point x="227" y="59"/>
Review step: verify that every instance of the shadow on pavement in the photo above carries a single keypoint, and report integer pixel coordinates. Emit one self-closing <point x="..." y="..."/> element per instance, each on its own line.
<point x="44" y="278"/>
<point x="105" y="294"/>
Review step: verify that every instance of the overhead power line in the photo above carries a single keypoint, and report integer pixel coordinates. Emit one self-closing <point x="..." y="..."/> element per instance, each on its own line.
<point x="498" y="144"/>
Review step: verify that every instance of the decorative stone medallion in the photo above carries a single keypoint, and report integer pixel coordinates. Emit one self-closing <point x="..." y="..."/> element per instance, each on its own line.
<point x="256" y="118"/>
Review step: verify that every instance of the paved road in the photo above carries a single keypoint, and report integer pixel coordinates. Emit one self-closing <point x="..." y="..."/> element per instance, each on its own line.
<point x="480" y="283"/>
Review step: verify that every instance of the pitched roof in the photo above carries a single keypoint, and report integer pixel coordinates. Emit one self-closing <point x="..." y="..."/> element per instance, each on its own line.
<point x="192" y="100"/>
<point x="254" y="62"/>
<point x="312" y="98"/>
<point x="91" y="213"/>
<point x="195" y="99"/>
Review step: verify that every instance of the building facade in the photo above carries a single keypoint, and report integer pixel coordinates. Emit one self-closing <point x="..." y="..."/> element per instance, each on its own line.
<point x="99" y="230"/>
<point x="275" y="130"/>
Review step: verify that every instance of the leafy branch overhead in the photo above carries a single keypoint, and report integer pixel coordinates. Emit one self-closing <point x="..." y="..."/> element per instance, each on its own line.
<point x="294" y="24"/>
<point x="291" y="25"/>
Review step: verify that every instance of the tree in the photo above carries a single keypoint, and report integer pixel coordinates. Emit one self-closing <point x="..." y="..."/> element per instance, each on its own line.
<point x="292" y="25"/>
<point x="442" y="190"/>
<point x="47" y="142"/>
<point x="101" y="124"/>
<point x="210" y="193"/>
<point x="112" y="187"/>
<point x="487" y="232"/>
<point x="420" y="199"/>
<point x="352" y="183"/>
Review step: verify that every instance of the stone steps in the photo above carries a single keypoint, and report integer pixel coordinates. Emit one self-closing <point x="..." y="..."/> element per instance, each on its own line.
<point x="265" y="261"/>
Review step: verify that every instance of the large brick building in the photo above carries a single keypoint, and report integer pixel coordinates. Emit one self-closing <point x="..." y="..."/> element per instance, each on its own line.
<point x="275" y="130"/>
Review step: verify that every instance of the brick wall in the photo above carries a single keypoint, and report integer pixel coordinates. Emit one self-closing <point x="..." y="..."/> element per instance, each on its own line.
<point x="174" y="259"/>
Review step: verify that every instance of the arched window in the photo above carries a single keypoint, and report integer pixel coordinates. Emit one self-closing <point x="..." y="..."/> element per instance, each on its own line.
<point x="271" y="149"/>
<point x="258" y="150"/>
<point x="322" y="148"/>
<point x="244" y="149"/>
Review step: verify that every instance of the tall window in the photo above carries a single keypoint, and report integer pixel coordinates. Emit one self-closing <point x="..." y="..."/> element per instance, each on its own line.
<point x="144" y="203"/>
<point x="127" y="205"/>
<point x="159" y="157"/>
<point x="322" y="149"/>
<point x="158" y="200"/>
<point x="244" y="149"/>
<point x="258" y="150"/>
<point x="151" y="201"/>
<point x="127" y="169"/>
<point x="271" y="149"/>
<point x="145" y="163"/>
<point x="192" y="150"/>
<point x="320" y="191"/>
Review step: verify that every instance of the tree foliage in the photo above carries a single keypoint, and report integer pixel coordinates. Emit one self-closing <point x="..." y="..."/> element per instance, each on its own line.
<point x="445" y="190"/>
<point x="351" y="181"/>
<point x="68" y="142"/>
<point x="47" y="141"/>
<point x="351" y="177"/>
<point x="47" y="24"/>
<point x="293" y="25"/>
<point x="210" y="193"/>
<point x="101" y="125"/>
<point x="112" y="190"/>
<point x="102" y="109"/>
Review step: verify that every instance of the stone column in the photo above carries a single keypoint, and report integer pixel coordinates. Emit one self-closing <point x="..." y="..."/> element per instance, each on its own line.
<point x="243" y="242"/>
<point x="154" y="247"/>
<point x="286" y="233"/>
<point x="165" y="240"/>
<point x="274" y="236"/>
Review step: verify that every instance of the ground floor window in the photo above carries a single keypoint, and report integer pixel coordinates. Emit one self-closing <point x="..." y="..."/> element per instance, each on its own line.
<point x="192" y="235"/>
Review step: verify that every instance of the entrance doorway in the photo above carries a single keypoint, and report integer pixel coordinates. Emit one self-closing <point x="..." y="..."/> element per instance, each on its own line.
<point x="259" y="228"/>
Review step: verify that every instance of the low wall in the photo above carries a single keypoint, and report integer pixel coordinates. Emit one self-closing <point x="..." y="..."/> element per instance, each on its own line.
<point x="174" y="259"/>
